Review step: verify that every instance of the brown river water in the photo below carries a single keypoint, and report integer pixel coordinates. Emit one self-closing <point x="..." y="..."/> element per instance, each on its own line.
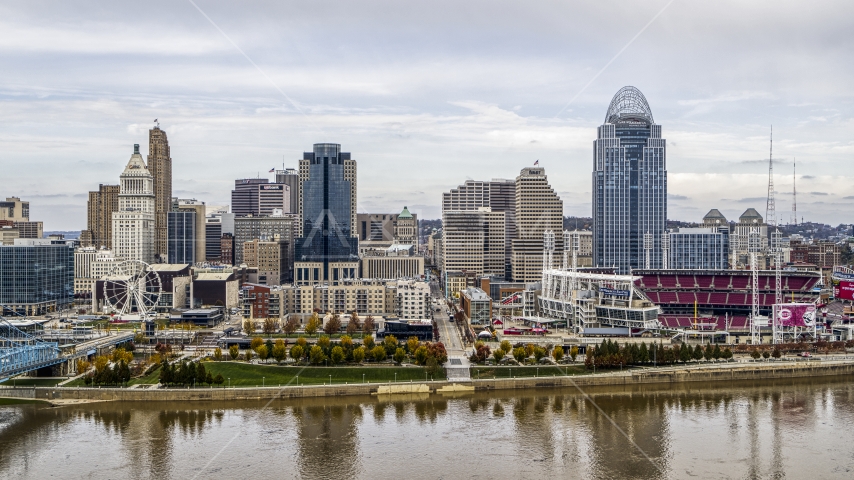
<point x="801" y="428"/>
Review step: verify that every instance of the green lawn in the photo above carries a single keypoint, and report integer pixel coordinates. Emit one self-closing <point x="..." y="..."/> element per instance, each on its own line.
<point x="246" y="375"/>
<point x="526" y="371"/>
<point x="32" y="382"/>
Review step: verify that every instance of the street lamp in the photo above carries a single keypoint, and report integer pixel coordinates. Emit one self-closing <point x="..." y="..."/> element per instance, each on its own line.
<point x="363" y="378"/>
<point x="395" y="377"/>
<point x="229" y="382"/>
<point x="330" y="380"/>
<point x="263" y="381"/>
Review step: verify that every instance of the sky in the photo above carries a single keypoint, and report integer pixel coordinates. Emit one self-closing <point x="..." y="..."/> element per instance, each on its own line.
<point x="428" y="94"/>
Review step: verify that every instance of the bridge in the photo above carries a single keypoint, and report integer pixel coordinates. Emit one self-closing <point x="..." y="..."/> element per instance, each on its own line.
<point x="21" y="352"/>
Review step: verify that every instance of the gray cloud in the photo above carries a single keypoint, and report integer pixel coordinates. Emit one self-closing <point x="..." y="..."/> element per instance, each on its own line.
<point x="673" y="196"/>
<point x="818" y="193"/>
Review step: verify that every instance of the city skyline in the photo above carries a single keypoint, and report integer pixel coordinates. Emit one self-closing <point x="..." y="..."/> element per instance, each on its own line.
<point x="431" y="109"/>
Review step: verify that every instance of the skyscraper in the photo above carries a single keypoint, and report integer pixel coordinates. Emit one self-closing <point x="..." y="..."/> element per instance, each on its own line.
<point x="257" y="196"/>
<point x="160" y="166"/>
<point x="133" y="223"/>
<point x="538" y="208"/>
<point x="99" y="223"/>
<point x="290" y="177"/>
<point x="327" y="249"/>
<point x="629" y="184"/>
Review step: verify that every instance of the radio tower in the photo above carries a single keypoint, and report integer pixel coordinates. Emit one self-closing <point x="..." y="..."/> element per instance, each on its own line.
<point x="794" y="195"/>
<point x="770" y="214"/>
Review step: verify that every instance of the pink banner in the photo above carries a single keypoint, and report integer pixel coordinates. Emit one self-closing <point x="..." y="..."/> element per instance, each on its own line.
<point x="795" y="314"/>
<point x="843" y="290"/>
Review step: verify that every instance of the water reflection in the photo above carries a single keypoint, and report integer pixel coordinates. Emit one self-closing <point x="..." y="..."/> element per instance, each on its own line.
<point x="755" y="430"/>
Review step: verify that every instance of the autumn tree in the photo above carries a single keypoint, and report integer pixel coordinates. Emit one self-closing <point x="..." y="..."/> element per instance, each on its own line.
<point x="312" y="325"/>
<point x="247" y="355"/>
<point x="573" y="351"/>
<point x="248" y="327"/>
<point x="368" y="326"/>
<point x="420" y="355"/>
<point x="412" y="344"/>
<point x="291" y="325"/>
<point x="297" y="352"/>
<point x="506" y="346"/>
<point x="557" y="353"/>
<point x="279" y="351"/>
<point x="498" y="355"/>
<point x="333" y="325"/>
<point x="316" y="355"/>
<point x="337" y="355"/>
<point x="378" y="353"/>
<point x="359" y="354"/>
<point x="368" y="342"/>
<point x="755" y="354"/>
<point x="270" y="325"/>
<point x="256" y="342"/>
<point x="233" y="352"/>
<point x="263" y="353"/>
<point x="217" y="355"/>
<point x="399" y="355"/>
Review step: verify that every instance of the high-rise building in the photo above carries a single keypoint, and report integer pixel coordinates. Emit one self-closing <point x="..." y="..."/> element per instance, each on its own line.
<point x="473" y="242"/>
<point x="499" y="195"/>
<point x="328" y="249"/>
<point x="133" y="223"/>
<point x="259" y="197"/>
<point x="290" y="177"/>
<point x="702" y="248"/>
<point x="382" y="230"/>
<point x="181" y="237"/>
<point x="99" y="222"/>
<point x="213" y="241"/>
<point x="13" y="209"/>
<point x="629" y="184"/>
<point x="538" y="208"/>
<point x="265" y="229"/>
<point x="160" y="166"/>
<point x="36" y="276"/>
<point x="270" y="258"/>
<point x="226" y="246"/>
<point x="199" y="231"/>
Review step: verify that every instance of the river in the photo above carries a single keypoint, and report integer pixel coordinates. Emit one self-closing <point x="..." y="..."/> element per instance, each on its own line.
<point x="800" y="428"/>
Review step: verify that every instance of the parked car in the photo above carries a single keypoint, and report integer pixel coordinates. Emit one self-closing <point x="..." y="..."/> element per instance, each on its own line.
<point x="805" y="354"/>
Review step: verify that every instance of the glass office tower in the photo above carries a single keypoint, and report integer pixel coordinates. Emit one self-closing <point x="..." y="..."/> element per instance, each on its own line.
<point x="326" y="214"/>
<point x="629" y="184"/>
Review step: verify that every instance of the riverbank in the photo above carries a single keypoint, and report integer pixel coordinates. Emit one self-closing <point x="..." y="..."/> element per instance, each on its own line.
<point x="676" y="374"/>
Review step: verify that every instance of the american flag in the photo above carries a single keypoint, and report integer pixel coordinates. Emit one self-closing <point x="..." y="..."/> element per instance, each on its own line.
<point x="272" y="170"/>
<point x="537" y="162"/>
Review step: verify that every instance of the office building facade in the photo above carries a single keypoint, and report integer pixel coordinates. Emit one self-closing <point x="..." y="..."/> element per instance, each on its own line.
<point x="99" y="221"/>
<point x="702" y="248"/>
<point x="259" y="197"/>
<point x="629" y="184"/>
<point x="160" y="166"/>
<point x="181" y="236"/>
<point x="328" y="249"/>
<point x="36" y="276"/>
<point x="473" y="242"/>
<point x="538" y="208"/>
<point x="290" y="177"/>
<point x="133" y="224"/>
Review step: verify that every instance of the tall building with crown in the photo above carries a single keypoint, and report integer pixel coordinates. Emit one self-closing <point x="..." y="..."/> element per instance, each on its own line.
<point x="160" y="166"/>
<point x="134" y="222"/>
<point x="629" y="185"/>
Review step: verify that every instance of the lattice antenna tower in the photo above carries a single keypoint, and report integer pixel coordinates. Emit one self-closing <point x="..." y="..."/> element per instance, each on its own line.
<point x="770" y="214"/>
<point x="794" y="193"/>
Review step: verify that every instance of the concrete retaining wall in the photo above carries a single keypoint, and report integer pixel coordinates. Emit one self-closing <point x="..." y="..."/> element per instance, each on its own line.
<point x="635" y="377"/>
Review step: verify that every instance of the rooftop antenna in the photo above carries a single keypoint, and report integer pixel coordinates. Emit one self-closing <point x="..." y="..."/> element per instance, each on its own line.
<point x="770" y="214"/>
<point x="794" y="194"/>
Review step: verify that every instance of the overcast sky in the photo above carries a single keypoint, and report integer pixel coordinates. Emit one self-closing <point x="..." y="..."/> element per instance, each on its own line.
<point x="427" y="94"/>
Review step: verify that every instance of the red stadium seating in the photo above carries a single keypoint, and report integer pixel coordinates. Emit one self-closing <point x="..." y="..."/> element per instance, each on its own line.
<point x="740" y="282"/>
<point x="667" y="281"/>
<point x="667" y="297"/>
<point x="685" y="297"/>
<point x="705" y="281"/>
<point x="685" y="281"/>
<point x="738" y="299"/>
<point x="718" y="298"/>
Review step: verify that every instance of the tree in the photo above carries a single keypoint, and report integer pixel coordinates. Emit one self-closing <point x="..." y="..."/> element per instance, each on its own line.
<point x="368" y="326"/>
<point x="302" y="342"/>
<point x="766" y="354"/>
<point x="316" y="355"/>
<point x="399" y="355"/>
<point x="346" y="342"/>
<point x="248" y="327"/>
<point x="354" y="325"/>
<point x="291" y="325"/>
<point x="82" y="366"/>
<point x="368" y="341"/>
<point x="716" y="353"/>
<point x="498" y="355"/>
<point x="685" y="353"/>
<point x="390" y="344"/>
<point x="201" y="373"/>
<point x="539" y="353"/>
<point x="727" y="353"/>
<point x="420" y="355"/>
<point x="333" y="326"/>
<point x="776" y="353"/>
<point x="378" y="353"/>
<point x="557" y="353"/>
<point x="437" y="351"/>
<point x="297" y="352"/>
<point x="337" y="355"/>
<point x="520" y="354"/>
<point x="412" y="344"/>
<point x="263" y="353"/>
<point x="698" y="352"/>
<point x="755" y="354"/>
<point x="432" y="366"/>
<point x="312" y="325"/>
<point x="506" y="346"/>
<point x="279" y="351"/>
<point x="247" y="355"/>
<point x="233" y="352"/>
<point x="256" y="342"/>
<point x="529" y="349"/>
<point x="324" y="343"/>
<point x="573" y="352"/>
<point x="270" y="325"/>
<point x="209" y="379"/>
<point x="218" y="379"/>
<point x="217" y="355"/>
<point x="708" y="352"/>
<point x="359" y="354"/>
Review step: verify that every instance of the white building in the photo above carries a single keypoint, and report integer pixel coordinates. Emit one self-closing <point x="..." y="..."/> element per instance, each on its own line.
<point x="133" y="224"/>
<point x="413" y="300"/>
<point x="90" y="265"/>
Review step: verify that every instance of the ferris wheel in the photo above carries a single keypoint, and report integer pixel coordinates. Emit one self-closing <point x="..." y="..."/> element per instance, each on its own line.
<point x="132" y="287"/>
